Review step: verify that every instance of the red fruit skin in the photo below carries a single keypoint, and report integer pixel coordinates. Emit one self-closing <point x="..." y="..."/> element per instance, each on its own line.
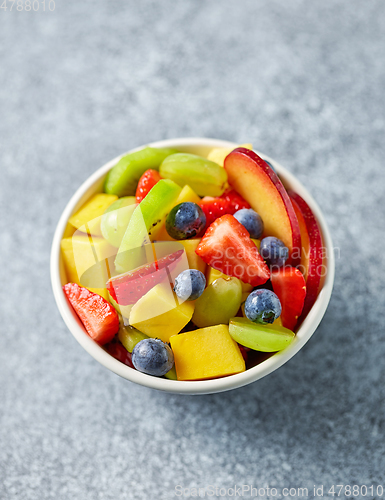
<point x="236" y="201"/>
<point x="316" y="271"/>
<point x="98" y="316"/>
<point x="289" y="284"/>
<point x="228" y="203"/>
<point x="120" y="353"/>
<point x="129" y="287"/>
<point x="252" y="177"/>
<point x="146" y="183"/>
<point x="244" y="351"/>
<point x="214" y="208"/>
<point x="226" y="246"/>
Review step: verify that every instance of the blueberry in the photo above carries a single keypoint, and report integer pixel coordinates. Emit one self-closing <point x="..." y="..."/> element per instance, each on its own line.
<point x="251" y="220"/>
<point x="185" y="220"/>
<point x="262" y="306"/>
<point x="152" y="356"/>
<point x="274" y="251"/>
<point x="189" y="284"/>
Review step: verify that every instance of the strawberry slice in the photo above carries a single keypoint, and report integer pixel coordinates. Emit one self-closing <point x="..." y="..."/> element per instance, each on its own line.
<point x="236" y="201"/>
<point x="228" y="203"/>
<point x="146" y="183"/>
<point x="129" y="287"/>
<point x="99" y="318"/>
<point x="226" y="246"/>
<point x="290" y="286"/>
<point x="214" y="208"/>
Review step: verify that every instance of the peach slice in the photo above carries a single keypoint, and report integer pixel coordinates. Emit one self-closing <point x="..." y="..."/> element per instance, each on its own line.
<point x="253" y="179"/>
<point x="314" y="265"/>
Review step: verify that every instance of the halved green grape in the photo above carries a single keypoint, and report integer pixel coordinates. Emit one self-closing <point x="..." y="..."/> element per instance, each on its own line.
<point x="205" y="177"/>
<point x="218" y="303"/>
<point x="116" y="218"/>
<point x="123" y="178"/>
<point x="130" y="336"/>
<point x="260" y="337"/>
<point x="171" y="374"/>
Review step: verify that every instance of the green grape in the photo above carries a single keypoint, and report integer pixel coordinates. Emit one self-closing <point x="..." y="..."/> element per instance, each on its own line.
<point x="218" y="303"/>
<point x="130" y="336"/>
<point x="123" y="178"/>
<point x="205" y="177"/>
<point x="171" y="374"/>
<point x="260" y="337"/>
<point x="116" y="218"/>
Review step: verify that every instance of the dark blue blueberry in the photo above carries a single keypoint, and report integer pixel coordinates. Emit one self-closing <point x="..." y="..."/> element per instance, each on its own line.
<point x="251" y="220"/>
<point x="186" y="220"/>
<point x="152" y="356"/>
<point x="189" y="284"/>
<point x="274" y="251"/>
<point x="263" y="306"/>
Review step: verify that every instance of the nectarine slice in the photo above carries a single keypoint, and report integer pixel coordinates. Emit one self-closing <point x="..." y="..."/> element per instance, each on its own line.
<point x="260" y="186"/>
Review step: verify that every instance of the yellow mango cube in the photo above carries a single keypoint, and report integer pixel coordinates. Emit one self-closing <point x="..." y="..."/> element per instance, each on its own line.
<point x="257" y="243"/>
<point x="158" y="314"/>
<point x="80" y="253"/>
<point x="213" y="274"/>
<point x="88" y="218"/>
<point x="206" y="353"/>
<point x="188" y="194"/>
<point x="218" y="155"/>
<point x="278" y="322"/>
<point x="194" y="261"/>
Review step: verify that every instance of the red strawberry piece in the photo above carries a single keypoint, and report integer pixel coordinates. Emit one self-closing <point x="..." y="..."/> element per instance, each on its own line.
<point x="226" y="246"/>
<point x="120" y="353"/>
<point x="99" y="318"/>
<point x="146" y="183"/>
<point x="290" y="286"/>
<point x="214" y="208"/>
<point x="129" y="287"/>
<point x="244" y="351"/>
<point x="236" y="201"/>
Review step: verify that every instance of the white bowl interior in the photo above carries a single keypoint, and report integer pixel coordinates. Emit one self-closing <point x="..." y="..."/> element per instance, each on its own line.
<point x="93" y="185"/>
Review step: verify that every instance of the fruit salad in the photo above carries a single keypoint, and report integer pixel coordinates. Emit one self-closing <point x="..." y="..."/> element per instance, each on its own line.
<point x="192" y="268"/>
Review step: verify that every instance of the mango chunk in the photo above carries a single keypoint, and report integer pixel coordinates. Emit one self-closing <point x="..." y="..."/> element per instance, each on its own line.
<point x="206" y="353"/>
<point x="257" y="243"/>
<point x="218" y="155"/>
<point x="80" y="253"/>
<point x="158" y="315"/>
<point x="194" y="261"/>
<point x="88" y="218"/>
<point x="188" y="194"/>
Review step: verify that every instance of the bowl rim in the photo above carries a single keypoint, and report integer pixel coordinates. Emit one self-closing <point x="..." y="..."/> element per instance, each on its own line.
<point x="253" y="374"/>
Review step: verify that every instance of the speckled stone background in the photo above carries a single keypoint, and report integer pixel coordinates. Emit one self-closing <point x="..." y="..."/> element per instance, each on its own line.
<point x="304" y="81"/>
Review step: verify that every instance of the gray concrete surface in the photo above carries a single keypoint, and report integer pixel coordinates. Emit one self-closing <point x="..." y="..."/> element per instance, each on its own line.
<point x="304" y="81"/>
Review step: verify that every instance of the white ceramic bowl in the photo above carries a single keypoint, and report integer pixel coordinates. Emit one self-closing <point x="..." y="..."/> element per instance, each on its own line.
<point x="93" y="185"/>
